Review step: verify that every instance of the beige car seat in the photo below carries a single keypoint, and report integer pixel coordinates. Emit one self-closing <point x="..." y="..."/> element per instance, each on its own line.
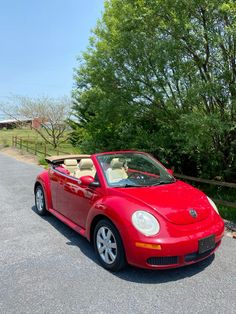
<point x="70" y="165"/>
<point x="116" y="172"/>
<point x="85" y="168"/>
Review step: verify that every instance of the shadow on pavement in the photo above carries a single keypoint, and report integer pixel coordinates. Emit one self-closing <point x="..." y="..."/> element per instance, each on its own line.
<point x="130" y="273"/>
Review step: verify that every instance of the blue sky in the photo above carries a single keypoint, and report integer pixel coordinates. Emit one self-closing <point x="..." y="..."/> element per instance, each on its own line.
<point x="40" y="41"/>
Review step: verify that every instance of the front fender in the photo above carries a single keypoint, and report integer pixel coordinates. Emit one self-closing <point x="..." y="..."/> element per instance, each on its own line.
<point x="43" y="180"/>
<point x="119" y="211"/>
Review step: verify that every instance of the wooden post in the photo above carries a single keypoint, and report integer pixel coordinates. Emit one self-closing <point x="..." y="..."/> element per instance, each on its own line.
<point x="27" y="145"/>
<point x="16" y="141"/>
<point x="20" y="143"/>
<point x="12" y="141"/>
<point x="35" y="148"/>
<point x="45" y="150"/>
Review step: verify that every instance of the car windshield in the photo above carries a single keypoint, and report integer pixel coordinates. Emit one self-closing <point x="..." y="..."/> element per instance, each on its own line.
<point x="133" y="170"/>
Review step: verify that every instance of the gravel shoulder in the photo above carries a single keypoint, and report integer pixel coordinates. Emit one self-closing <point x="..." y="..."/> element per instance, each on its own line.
<point x="45" y="267"/>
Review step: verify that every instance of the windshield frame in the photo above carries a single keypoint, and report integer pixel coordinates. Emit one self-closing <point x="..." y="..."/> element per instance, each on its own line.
<point x="153" y="161"/>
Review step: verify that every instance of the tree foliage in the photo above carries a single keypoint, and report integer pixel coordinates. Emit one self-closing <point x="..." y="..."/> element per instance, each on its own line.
<point x="160" y="75"/>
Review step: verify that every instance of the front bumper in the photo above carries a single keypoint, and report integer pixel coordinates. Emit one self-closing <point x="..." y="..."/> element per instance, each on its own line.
<point x="178" y="261"/>
<point x="174" y="251"/>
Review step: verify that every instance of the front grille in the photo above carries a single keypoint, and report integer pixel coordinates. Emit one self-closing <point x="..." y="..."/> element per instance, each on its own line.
<point x="196" y="256"/>
<point x="163" y="260"/>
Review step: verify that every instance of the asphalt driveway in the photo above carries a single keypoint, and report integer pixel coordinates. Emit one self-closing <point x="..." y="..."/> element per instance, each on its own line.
<point x="45" y="267"/>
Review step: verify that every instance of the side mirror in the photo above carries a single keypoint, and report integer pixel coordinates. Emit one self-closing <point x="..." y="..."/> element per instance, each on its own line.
<point x="88" y="181"/>
<point x="170" y="171"/>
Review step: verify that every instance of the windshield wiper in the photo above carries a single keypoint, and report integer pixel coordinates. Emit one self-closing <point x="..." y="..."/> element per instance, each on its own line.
<point x="127" y="185"/>
<point x="162" y="182"/>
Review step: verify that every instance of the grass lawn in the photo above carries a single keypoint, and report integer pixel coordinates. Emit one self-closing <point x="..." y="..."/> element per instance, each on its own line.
<point x="227" y="213"/>
<point x="6" y="135"/>
<point x="33" y="137"/>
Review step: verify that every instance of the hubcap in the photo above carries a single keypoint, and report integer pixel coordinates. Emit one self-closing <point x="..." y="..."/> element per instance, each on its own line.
<point x="106" y="245"/>
<point x="39" y="200"/>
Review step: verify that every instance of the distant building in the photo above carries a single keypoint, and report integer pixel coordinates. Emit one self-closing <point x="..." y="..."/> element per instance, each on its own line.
<point x="14" y="123"/>
<point x="37" y="122"/>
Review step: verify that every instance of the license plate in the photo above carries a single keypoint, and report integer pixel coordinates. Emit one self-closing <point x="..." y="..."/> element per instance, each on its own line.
<point x="206" y="244"/>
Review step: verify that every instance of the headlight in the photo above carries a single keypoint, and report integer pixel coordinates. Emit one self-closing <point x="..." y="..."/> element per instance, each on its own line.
<point x="145" y="223"/>
<point x="213" y="204"/>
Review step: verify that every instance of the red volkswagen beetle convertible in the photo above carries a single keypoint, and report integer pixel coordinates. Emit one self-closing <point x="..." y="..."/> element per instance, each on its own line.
<point x="131" y="208"/>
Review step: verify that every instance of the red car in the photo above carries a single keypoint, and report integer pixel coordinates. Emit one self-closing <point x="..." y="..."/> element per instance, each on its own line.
<point x="131" y="208"/>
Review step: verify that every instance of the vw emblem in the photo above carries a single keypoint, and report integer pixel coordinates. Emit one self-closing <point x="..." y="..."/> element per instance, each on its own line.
<point x="193" y="213"/>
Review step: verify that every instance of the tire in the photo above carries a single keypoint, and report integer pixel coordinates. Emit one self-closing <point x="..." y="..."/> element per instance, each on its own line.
<point x="40" y="203"/>
<point x="108" y="246"/>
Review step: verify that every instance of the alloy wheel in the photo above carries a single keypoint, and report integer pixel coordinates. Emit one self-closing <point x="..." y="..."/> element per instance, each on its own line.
<point x="106" y="245"/>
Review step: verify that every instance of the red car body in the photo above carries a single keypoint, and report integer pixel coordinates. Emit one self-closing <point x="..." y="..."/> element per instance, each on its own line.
<point x="82" y="206"/>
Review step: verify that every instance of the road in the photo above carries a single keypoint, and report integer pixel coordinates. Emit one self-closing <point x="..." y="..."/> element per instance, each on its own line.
<point x="45" y="267"/>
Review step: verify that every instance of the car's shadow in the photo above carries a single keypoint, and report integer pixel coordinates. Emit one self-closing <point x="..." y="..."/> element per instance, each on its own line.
<point x="130" y="273"/>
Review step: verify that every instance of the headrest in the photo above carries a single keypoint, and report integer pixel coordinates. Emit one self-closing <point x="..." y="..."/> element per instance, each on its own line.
<point x="70" y="162"/>
<point x="116" y="163"/>
<point x="85" y="163"/>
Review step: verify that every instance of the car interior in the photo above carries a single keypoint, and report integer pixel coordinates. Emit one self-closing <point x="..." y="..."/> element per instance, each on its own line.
<point x="116" y="171"/>
<point x="70" y="165"/>
<point x="85" y="168"/>
<point x="77" y="168"/>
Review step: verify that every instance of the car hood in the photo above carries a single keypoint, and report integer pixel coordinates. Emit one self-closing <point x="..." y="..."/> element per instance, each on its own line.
<point x="173" y="201"/>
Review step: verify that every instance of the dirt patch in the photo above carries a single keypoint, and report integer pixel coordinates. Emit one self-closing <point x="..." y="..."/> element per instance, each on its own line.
<point x="20" y="155"/>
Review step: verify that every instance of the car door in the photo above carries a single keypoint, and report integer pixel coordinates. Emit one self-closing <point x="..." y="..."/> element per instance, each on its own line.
<point x="71" y="199"/>
<point x="56" y="181"/>
<point x="79" y="200"/>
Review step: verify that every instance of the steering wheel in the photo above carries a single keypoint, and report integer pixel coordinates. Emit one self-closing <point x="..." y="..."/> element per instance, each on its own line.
<point x="136" y="175"/>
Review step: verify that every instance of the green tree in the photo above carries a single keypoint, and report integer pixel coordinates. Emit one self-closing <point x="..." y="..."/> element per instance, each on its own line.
<point x="160" y="75"/>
